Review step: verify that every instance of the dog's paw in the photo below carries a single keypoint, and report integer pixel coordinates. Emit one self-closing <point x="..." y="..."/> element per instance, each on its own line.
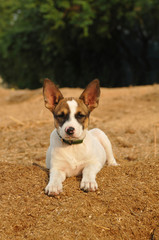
<point x="53" y="189"/>
<point x="89" y="186"/>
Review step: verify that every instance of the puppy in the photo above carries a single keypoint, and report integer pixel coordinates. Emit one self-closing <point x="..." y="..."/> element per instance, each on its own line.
<point x="73" y="149"/>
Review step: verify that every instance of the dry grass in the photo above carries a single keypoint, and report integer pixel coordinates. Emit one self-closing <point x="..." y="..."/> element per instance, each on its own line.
<point x="126" y="205"/>
<point x="156" y="126"/>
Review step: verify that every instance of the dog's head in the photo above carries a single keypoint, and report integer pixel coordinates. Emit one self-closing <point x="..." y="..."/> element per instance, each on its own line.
<point x="71" y="114"/>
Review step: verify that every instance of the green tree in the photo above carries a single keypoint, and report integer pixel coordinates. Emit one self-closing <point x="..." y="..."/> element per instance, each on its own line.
<point x="74" y="41"/>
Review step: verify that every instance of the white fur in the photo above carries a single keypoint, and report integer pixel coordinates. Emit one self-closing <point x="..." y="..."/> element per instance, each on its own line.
<point x="86" y="158"/>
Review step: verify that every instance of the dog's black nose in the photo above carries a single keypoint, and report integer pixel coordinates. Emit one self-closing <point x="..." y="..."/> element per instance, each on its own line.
<point x="70" y="130"/>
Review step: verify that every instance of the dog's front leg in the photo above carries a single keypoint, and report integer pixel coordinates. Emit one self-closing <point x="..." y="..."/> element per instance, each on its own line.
<point x="56" y="179"/>
<point x="88" y="182"/>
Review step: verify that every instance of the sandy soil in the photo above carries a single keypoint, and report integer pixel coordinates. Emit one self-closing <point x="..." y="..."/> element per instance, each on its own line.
<point x="126" y="205"/>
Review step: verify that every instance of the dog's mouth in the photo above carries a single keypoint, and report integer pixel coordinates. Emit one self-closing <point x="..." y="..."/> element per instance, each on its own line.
<point x="71" y="134"/>
<point x="67" y="137"/>
<point x="72" y="137"/>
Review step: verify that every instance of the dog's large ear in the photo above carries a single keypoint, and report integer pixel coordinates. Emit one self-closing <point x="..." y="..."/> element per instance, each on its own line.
<point x="91" y="94"/>
<point x="52" y="94"/>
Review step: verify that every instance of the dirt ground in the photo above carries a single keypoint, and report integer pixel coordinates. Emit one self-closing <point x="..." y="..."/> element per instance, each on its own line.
<point x="126" y="205"/>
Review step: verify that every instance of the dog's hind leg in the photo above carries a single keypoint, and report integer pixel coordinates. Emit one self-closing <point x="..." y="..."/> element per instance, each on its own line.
<point x="103" y="139"/>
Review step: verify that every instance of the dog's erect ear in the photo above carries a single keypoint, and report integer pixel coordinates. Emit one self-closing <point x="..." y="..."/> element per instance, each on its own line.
<point x="91" y="94"/>
<point x="52" y="94"/>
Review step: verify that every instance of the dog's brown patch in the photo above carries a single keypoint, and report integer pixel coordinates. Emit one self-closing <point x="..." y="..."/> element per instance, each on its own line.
<point x="82" y="110"/>
<point x="61" y="113"/>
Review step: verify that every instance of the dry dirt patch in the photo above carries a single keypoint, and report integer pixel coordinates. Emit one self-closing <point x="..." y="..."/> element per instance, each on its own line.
<point x="126" y="206"/>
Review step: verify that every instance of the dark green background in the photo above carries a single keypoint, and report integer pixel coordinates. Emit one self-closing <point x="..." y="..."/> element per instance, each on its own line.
<point x="73" y="42"/>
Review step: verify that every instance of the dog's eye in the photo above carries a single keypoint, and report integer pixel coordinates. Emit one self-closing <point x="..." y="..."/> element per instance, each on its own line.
<point x="61" y="115"/>
<point x="79" y="115"/>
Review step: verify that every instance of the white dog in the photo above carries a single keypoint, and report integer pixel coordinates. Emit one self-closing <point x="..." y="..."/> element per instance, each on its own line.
<point x="73" y="149"/>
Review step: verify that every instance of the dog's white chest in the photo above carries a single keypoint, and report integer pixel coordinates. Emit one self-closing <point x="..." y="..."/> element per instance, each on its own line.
<point x="71" y="159"/>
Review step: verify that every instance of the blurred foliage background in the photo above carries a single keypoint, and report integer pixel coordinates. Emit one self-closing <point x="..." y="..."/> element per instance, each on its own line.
<point x="75" y="41"/>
